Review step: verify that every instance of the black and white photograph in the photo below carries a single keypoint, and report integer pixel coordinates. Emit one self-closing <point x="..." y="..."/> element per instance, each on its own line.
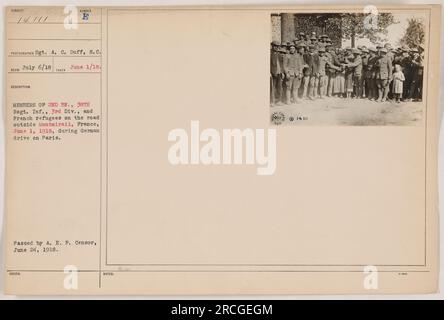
<point x="356" y="69"/>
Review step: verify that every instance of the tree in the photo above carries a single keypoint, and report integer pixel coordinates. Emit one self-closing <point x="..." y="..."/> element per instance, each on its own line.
<point x="414" y="34"/>
<point x="346" y="25"/>
<point x="360" y="25"/>
<point x="323" y="23"/>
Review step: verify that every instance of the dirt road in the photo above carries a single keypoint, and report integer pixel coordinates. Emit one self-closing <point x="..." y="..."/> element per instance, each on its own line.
<point x="350" y="112"/>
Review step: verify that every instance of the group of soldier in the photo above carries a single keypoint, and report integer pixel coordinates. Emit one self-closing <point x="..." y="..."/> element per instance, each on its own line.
<point x="311" y="67"/>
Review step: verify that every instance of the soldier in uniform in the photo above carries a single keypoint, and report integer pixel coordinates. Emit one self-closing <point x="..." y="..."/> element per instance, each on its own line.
<point x="339" y="82"/>
<point x="321" y="41"/>
<point x="417" y="70"/>
<point x="293" y="66"/>
<point x="323" y="79"/>
<point x="405" y="62"/>
<point x="313" y="40"/>
<point x="364" y="85"/>
<point x="301" y="50"/>
<point x="370" y="74"/>
<point x="282" y="53"/>
<point x="325" y="63"/>
<point x="383" y="74"/>
<point x="378" y="49"/>
<point x="391" y="56"/>
<point x="308" y="61"/>
<point x="420" y="71"/>
<point x="356" y="65"/>
<point x="348" y="57"/>
<point x="276" y="70"/>
<point x="332" y="68"/>
<point x="313" y="68"/>
<point x="301" y="37"/>
<point x="328" y="42"/>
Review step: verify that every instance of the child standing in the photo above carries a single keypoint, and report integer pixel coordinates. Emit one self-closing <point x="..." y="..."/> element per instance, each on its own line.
<point x="398" y="82"/>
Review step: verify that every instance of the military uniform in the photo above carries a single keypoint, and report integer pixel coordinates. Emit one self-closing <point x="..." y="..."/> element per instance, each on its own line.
<point x="370" y="74"/>
<point x="313" y="69"/>
<point x="313" y="41"/>
<point x="332" y="69"/>
<point x="391" y="56"/>
<point x="276" y="70"/>
<point x="364" y="85"/>
<point x="348" y="57"/>
<point x="308" y="61"/>
<point x="383" y="75"/>
<point x="324" y="63"/>
<point x="417" y="70"/>
<point x="405" y="62"/>
<point x="293" y="67"/>
<point x="357" y="72"/>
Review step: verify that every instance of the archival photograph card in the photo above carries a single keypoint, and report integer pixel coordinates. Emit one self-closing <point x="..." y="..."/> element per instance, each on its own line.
<point x="221" y="150"/>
